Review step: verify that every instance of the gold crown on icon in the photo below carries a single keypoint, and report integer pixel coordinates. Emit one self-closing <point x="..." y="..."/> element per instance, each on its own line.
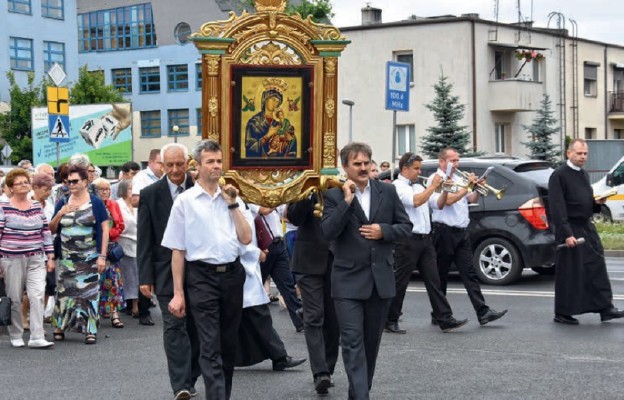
<point x="276" y="84"/>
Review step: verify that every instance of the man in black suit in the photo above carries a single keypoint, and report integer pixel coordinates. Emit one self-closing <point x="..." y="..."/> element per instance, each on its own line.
<point x="362" y="220"/>
<point x="312" y="261"/>
<point x="154" y="261"/>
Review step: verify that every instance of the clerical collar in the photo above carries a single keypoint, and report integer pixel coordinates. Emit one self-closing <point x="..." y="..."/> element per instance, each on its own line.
<point x="574" y="167"/>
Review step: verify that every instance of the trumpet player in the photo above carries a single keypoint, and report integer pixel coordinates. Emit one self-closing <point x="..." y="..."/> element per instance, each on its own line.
<point x="416" y="250"/>
<point x="451" y="237"/>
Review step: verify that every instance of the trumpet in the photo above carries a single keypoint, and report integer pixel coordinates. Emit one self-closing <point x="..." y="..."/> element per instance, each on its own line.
<point x="449" y="187"/>
<point x="482" y="188"/>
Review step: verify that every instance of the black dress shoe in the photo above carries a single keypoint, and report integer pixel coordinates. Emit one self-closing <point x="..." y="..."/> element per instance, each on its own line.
<point x="300" y="329"/>
<point x="565" y="319"/>
<point x="287" y="362"/>
<point x="299" y="313"/>
<point x="434" y="321"/>
<point x="146" y="320"/>
<point x="393" y="327"/>
<point x="321" y="384"/>
<point x="491" y="315"/>
<point x="452" y="324"/>
<point x="610" y="314"/>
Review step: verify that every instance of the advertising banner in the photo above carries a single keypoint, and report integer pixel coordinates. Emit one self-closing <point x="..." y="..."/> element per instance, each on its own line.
<point x="101" y="131"/>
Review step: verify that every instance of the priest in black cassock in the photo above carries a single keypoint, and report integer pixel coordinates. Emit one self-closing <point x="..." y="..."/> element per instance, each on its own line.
<point x="581" y="280"/>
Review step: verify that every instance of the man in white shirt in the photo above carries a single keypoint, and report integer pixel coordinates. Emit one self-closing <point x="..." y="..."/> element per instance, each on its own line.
<point x="452" y="240"/>
<point x="416" y="250"/>
<point x="206" y="227"/>
<point x="146" y="177"/>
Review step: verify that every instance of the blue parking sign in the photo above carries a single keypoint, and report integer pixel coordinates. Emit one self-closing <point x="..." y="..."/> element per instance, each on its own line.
<point x="397" y="86"/>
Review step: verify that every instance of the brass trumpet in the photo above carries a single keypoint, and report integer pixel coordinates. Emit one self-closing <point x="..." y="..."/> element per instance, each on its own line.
<point x="449" y="187"/>
<point x="482" y="188"/>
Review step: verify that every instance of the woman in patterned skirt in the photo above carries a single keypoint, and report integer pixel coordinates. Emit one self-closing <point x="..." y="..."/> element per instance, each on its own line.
<point x="111" y="290"/>
<point x="82" y="223"/>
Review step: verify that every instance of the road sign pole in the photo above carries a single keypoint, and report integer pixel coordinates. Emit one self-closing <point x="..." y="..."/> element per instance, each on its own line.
<point x="394" y="140"/>
<point x="58" y="154"/>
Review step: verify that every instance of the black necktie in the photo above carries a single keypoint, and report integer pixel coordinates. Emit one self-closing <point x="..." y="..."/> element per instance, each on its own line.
<point x="179" y="190"/>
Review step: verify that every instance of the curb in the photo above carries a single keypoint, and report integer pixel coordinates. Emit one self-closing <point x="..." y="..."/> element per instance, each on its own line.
<point x="614" y="253"/>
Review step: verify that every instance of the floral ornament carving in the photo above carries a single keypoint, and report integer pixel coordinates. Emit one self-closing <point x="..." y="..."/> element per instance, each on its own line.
<point x="329" y="150"/>
<point x="330" y="67"/>
<point x="270" y="53"/>
<point x="213" y="107"/>
<point x="330" y="107"/>
<point x="213" y="65"/>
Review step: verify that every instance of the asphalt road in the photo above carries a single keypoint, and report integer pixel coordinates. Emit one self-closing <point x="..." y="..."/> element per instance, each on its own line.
<point x="523" y="356"/>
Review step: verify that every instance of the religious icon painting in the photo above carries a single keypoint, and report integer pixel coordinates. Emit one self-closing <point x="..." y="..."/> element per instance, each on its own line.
<point x="271" y="121"/>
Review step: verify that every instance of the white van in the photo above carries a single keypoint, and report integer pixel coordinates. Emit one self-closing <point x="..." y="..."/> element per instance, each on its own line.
<point x="613" y="209"/>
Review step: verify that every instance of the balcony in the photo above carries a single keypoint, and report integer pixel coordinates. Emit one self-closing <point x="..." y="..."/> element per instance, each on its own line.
<point x="513" y="95"/>
<point x="616" y="105"/>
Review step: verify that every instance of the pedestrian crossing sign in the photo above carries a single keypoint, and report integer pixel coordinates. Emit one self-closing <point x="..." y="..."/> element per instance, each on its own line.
<point x="58" y="126"/>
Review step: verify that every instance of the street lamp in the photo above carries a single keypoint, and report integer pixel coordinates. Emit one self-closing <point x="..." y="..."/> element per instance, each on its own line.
<point x="175" y="133"/>
<point x="350" y="103"/>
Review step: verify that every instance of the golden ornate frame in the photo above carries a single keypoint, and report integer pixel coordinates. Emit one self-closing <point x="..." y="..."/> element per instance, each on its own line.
<point x="271" y="37"/>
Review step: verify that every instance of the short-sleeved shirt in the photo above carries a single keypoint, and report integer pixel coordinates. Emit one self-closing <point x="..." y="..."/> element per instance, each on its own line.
<point x="456" y="215"/>
<point x="143" y="179"/>
<point x="419" y="216"/>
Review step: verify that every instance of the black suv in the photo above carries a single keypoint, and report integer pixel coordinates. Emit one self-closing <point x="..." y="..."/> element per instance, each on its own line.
<point x="510" y="234"/>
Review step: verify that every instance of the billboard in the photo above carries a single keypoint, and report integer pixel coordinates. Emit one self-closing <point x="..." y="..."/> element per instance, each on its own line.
<point x="101" y="131"/>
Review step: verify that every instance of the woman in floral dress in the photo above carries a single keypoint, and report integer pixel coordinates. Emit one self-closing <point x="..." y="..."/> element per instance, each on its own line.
<point x="82" y="223"/>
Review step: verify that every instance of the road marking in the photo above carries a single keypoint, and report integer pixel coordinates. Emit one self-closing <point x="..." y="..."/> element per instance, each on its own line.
<point x="512" y="293"/>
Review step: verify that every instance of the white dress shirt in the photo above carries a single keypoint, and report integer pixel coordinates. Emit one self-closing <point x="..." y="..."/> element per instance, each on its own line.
<point x="364" y="198"/>
<point x="141" y="180"/>
<point x="173" y="188"/>
<point x="419" y="216"/>
<point x="202" y="225"/>
<point x="128" y="238"/>
<point x="574" y="167"/>
<point x="455" y="215"/>
<point x="253" y="290"/>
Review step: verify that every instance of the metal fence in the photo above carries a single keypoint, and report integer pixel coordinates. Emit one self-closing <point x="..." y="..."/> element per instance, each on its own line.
<point x="603" y="154"/>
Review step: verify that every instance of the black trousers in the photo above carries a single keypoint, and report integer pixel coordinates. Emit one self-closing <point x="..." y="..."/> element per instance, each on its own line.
<point x="361" y="326"/>
<point x="321" y="332"/>
<point x="277" y="265"/>
<point x="417" y="251"/>
<point x="257" y="339"/>
<point x="453" y="246"/>
<point x="144" y="306"/>
<point x="181" y="347"/>
<point x="216" y="303"/>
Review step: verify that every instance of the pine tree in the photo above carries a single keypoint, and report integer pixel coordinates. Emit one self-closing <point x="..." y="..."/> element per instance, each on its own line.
<point x="448" y="112"/>
<point x="541" y="131"/>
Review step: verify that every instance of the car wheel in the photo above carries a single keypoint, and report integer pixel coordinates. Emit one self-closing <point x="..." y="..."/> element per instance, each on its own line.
<point x="497" y="262"/>
<point x="603" y="216"/>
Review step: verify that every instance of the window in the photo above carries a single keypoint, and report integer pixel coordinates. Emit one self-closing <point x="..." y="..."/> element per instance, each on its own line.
<point x="53" y="52"/>
<point x="502" y="133"/>
<point x="618" y="134"/>
<point x="198" y="76"/>
<point x="409" y="59"/>
<point x="181" y="33"/>
<point x="590" y="79"/>
<point x="177" y="78"/>
<point x="121" y="28"/>
<point x="406" y="138"/>
<point x="122" y="80"/>
<point x="590" y="133"/>
<point x="20" y="6"/>
<point x="150" y="79"/>
<point x="198" y="112"/>
<point x="502" y="65"/>
<point x="180" y="118"/>
<point x="21" y="51"/>
<point x="52" y="9"/>
<point x="150" y="124"/>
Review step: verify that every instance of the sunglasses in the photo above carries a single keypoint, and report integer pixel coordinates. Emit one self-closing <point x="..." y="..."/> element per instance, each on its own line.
<point x="72" y="182"/>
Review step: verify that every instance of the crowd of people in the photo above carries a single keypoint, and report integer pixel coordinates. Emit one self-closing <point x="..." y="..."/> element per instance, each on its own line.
<point x="173" y="232"/>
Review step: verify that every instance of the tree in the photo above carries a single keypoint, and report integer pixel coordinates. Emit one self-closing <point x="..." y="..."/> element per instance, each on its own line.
<point x="320" y="10"/>
<point x="91" y="89"/>
<point x="540" y="131"/>
<point x="448" y="112"/>
<point x="15" y="125"/>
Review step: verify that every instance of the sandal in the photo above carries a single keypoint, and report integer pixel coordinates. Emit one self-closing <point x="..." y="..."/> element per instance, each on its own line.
<point x="90" y="339"/>
<point x="59" y="336"/>
<point x="116" y="321"/>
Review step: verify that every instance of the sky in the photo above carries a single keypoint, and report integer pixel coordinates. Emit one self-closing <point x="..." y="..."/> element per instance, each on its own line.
<point x="599" y="20"/>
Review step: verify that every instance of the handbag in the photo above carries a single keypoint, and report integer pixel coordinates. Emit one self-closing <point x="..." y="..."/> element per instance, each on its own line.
<point x="5" y="306"/>
<point x="264" y="235"/>
<point x="115" y="253"/>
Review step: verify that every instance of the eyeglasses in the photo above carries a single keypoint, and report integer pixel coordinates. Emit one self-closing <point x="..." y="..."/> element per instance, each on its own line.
<point x="72" y="182"/>
<point x="103" y="189"/>
<point x="24" y="183"/>
<point x="91" y="171"/>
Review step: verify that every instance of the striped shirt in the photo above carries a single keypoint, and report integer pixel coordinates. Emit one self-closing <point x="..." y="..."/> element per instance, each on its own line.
<point x="24" y="232"/>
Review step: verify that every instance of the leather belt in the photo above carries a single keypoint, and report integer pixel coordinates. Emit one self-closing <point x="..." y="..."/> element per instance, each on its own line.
<point x="216" y="267"/>
<point x="277" y="240"/>
<point x="445" y="226"/>
<point x="420" y="236"/>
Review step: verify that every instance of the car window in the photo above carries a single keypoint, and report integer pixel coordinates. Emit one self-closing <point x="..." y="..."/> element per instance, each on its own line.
<point x="539" y="176"/>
